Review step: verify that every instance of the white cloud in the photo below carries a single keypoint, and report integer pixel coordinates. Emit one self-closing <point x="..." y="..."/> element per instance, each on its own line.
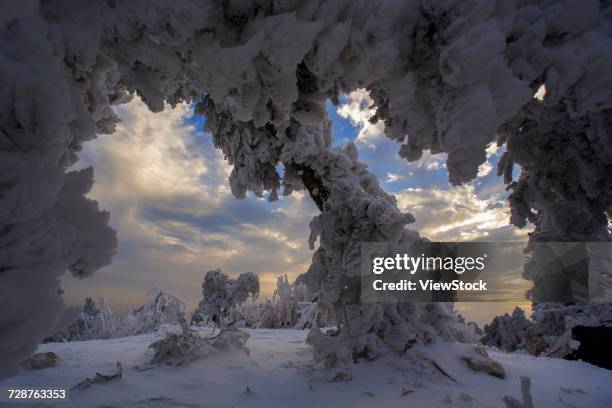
<point x="540" y="93"/>
<point x="430" y="161"/>
<point x="487" y="167"/>
<point x="167" y="190"/>
<point x="459" y="214"/>
<point x="356" y="109"/>
<point x="442" y="213"/>
<point x="393" y="177"/>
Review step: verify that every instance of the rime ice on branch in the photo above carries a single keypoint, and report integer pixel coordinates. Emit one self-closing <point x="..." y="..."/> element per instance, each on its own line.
<point x="444" y="76"/>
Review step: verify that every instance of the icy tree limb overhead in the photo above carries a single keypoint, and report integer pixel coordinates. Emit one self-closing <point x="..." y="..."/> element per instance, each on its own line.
<point x="445" y="76"/>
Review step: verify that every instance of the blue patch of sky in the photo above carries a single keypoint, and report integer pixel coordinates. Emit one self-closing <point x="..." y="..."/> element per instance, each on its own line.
<point x="383" y="159"/>
<point x="342" y="129"/>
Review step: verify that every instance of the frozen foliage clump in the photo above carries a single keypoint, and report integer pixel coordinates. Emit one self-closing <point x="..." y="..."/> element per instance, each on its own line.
<point x="180" y="348"/>
<point x="289" y="309"/>
<point x="246" y="314"/>
<point x="447" y="76"/>
<point x="221" y="294"/>
<point x="474" y="328"/>
<point x="48" y="226"/>
<point x="286" y="306"/>
<point x="159" y="308"/>
<point x="507" y="332"/>
<point x="551" y="333"/>
<point x="313" y="314"/>
<point x="581" y="274"/>
<point x="283" y="310"/>
<point x="95" y="323"/>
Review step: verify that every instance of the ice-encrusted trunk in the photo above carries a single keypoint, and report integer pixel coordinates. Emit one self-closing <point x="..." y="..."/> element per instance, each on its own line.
<point x="354" y="209"/>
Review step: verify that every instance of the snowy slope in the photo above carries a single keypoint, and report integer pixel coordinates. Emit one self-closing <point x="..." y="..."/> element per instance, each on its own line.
<point x="279" y="373"/>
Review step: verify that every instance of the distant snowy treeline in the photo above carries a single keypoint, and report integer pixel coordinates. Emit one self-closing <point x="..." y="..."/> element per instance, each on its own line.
<point x="229" y="302"/>
<point x="101" y="323"/>
<point x="291" y="306"/>
<point x="226" y="302"/>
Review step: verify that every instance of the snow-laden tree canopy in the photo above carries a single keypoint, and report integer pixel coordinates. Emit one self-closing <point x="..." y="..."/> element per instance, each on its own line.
<point x="446" y="76"/>
<point x="221" y="293"/>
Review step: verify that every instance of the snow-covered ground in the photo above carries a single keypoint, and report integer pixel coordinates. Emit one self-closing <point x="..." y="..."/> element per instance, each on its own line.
<point x="279" y="373"/>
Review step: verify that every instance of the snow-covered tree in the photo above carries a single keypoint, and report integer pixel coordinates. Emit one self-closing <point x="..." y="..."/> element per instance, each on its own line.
<point x="247" y="313"/>
<point x="283" y="310"/>
<point x="286" y="309"/>
<point x="448" y="76"/>
<point x="89" y="308"/>
<point x="507" y="332"/>
<point x="221" y="294"/>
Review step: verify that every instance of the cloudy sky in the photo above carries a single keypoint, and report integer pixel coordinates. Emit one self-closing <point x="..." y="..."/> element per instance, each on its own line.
<point x="166" y="188"/>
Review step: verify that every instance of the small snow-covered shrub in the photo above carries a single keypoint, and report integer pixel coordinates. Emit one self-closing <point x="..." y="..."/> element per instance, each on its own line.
<point x="289" y="307"/>
<point x="551" y="333"/>
<point x="180" y="348"/>
<point x="160" y="308"/>
<point x="507" y="332"/>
